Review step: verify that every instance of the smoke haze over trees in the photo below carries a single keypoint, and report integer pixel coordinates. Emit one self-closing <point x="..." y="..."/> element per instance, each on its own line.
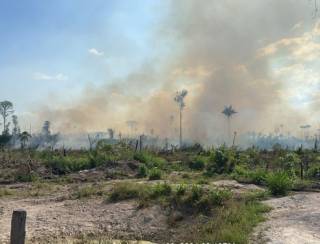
<point x="260" y="57"/>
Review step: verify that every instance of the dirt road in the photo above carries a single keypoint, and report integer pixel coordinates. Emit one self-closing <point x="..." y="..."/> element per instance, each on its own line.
<point x="293" y="220"/>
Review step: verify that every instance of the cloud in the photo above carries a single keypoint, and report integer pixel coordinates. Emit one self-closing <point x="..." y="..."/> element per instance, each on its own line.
<point x="95" y="52"/>
<point x="43" y="76"/>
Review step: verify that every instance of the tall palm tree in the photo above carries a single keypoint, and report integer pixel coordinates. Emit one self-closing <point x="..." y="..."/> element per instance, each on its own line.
<point x="229" y="112"/>
<point x="179" y="99"/>
<point x="24" y="138"/>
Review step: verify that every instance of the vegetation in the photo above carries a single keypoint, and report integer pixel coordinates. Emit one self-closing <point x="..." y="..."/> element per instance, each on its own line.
<point x="279" y="183"/>
<point x="179" y="180"/>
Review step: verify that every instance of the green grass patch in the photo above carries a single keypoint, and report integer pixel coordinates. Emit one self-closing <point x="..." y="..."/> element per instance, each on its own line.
<point x="232" y="223"/>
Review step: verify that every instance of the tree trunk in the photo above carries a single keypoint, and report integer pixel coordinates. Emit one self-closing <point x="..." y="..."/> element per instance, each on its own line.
<point x="180" y="139"/>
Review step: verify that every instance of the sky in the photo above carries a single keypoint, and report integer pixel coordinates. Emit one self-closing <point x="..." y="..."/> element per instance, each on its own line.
<point x="59" y="47"/>
<point x="92" y="65"/>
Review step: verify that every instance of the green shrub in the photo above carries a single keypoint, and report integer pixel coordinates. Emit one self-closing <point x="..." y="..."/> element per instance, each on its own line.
<point x="289" y="163"/>
<point x="196" y="193"/>
<point x="162" y="189"/>
<point x="244" y="175"/>
<point x="150" y="160"/>
<point x="314" y="172"/>
<point x="125" y="191"/>
<point x="221" y="161"/>
<point x="181" y="190"/>
<point x="155" y="174"/>
<point x="197" y="164"/>
<point x="218" y="197"/>
<point x="259" y="176"/>
<point x="21" y="176"/>
<point x="279" y="183"/>
<point x="64" y="165"/>
<point x="142" y="171"/>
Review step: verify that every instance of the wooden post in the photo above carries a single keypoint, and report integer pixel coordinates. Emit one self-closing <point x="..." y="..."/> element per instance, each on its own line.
<point x="18" y="227"/>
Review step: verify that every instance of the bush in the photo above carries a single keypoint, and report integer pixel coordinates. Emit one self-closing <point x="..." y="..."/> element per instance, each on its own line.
<point x="244" y="175"/>
<point x="196" y="193"/>
<point x="181" y="190"/>
<point x="125" y="191"/>
<point x="142" y="171"/>
<point x="154" y="174"/>
<point x="64" y="165"/>
<point x="26" y="176"/>
<point x="218" y="197"/>
<point x="150" y="160"/>
<point x="221" y="161"/>
<point x="279" y="183"/>
<point x="162" y="189"/>
<point x="197" y="164"/>
<point x="314" y="172"/>
<point x="289" y="163"/>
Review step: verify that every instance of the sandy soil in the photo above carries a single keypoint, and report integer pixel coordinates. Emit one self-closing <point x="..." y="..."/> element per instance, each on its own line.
<point x="49" y="218"/>
<point x="293" y="220"/>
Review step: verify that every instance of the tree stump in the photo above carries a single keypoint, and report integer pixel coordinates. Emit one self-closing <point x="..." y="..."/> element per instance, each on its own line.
<point x="18" y="227"/>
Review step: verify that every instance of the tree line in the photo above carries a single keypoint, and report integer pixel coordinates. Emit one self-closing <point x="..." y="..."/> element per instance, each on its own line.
<point x="16" y="138"/>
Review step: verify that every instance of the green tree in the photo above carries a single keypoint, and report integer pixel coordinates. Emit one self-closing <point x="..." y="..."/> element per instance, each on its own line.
<point x="6" y="109"/>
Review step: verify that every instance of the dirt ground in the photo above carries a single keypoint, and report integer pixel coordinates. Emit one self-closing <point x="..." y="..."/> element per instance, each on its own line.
<point x="51" y="217"/>
<point x="54" y="215"/>
<point x="294" y="220"/>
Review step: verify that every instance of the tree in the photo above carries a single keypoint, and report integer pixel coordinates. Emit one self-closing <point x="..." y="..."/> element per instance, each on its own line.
<point x="179" y="99"/>
<point x="229" y="112"/>
<point x="111" y="133"/>
<point x="24" y="138"/>
<point x="46" y="129"/>
<point x="15" y="129"/>
<point x="6" y="109"/>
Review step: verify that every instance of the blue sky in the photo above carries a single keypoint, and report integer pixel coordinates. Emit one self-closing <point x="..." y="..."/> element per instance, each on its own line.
<point x="58" y="47"/>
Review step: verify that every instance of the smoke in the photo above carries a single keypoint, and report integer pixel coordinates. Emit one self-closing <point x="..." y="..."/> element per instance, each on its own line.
<point x="215" y="54"/>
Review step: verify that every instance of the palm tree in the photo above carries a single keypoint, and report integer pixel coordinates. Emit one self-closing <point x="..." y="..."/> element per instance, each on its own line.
<point x="229" y="111"/>
<point x="24" y="138"/>
<point x="179" y="99"/>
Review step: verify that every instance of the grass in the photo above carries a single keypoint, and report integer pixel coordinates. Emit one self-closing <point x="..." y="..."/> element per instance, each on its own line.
<point x="192" y="198"/>
<point x="155" y="174"/>
<point x="87" y="191"/>
<point x="125" y="191"/>
<point x="232" y="223"/>
<point x="5" y="192"/>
